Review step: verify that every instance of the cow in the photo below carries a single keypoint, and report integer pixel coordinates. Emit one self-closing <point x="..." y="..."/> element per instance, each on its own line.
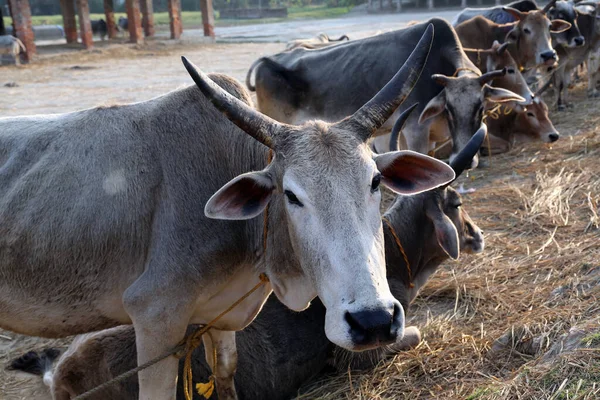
<point x="508" y="127"/>
<point x="589" y="24"/>
<point x="529" y="36"/>
<point x="593" y="69"/>
<point x="100" y="28"/>
<point x="123" y="23"/>
<point x="321" y="40"/>
<point x="281" y="350"/>
<point x="101" y="206"/>
<point x="12" y="47"/>
<point x="497" y="13"/>
<point x="497" y="58"/>
<point x="301" y="85"/>
<point x="565" y="10"/>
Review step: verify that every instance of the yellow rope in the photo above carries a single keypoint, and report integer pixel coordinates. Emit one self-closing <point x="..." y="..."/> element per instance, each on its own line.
<point x="399" y="245"/>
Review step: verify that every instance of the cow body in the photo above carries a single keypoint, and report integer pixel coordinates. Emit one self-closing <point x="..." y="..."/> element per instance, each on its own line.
<point x="589" y="25"/>
<point x="302" y="84"/>
<point x="321" y="40"/>
<point x="496" y="14"/>
<point x="12" y="47"/>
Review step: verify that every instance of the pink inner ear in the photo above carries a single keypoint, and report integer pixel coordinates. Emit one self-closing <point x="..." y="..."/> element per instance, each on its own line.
<point x="242" y="198"/>
<point x="413" y="173"/>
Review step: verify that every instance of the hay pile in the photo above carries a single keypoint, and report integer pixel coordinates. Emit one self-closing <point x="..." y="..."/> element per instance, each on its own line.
<point x="494" y="325"/>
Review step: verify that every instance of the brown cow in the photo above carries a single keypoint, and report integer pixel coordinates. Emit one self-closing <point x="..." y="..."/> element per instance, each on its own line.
<point x="529" y="37"/>
<point x="520" y="125"/>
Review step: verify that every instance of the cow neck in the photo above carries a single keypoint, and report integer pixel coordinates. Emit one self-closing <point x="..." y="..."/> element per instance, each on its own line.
<point x="408" y="280"/>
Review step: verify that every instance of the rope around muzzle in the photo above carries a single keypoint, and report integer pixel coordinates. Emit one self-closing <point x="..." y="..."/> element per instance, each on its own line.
<point x="187" y="346"/>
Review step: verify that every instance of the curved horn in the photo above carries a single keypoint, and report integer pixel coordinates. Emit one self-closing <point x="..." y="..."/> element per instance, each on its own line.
<point x="588" y="3"/>
<point x="399" y="125"/>
<point x="255" y="124"/>
<point x="489" y="76"/>
<point x="548" y="6"/>
<point x="502" y="48"/>
<point x="464" y="159"/>
<point x="543" y="88"/>
<point x="372" y="115"/>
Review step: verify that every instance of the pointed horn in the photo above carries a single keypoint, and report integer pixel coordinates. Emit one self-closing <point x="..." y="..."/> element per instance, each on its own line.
<point x="372" y="115"/>
<point x="548" y="6"/>
<point x="464" y="159"/>
<point x="542" y="89"/>
<point x="399" y="125"/>
<point x="255" y="124"/>
<point x="502" y="48"/>
<point x="489" y="76"/>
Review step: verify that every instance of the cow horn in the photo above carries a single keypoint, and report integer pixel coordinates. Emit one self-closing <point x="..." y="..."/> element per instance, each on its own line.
<point x="464" y="159"/>
<point x="548" y="6"/>
<point x="489" y="76"/>
<point x="372" y="115"/>
<point x="257" y="125"/>
<point x="542" y="89"/>
<point x="399" y="125"/>
<point x="502" y="48"/>
<point x="588" y="3"/>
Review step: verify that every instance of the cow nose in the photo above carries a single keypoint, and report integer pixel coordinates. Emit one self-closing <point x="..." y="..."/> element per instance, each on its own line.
<point x="579" y="41"/>
<point x="549" y="55"/>
<point x="553" y="137"/>
<point x="375" y="327"/>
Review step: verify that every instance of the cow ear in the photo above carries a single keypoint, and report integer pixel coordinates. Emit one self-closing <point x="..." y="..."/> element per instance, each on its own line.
<point x="435" y="107"/>
<point x="513" y="35"/>
<point x="408" y="172"/>
<point x="244" y="197"/>
<point x="445" y="232"/>
<point x="558" y="26"/>
<point x="498" y="95"/>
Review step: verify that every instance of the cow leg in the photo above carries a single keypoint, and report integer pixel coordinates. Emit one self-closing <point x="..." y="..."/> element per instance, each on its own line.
<point x="224" y="342"/>
<point x="160" y="310"/>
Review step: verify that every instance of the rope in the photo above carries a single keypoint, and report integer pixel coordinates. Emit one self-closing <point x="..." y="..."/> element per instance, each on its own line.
<point x="399" y="245"/>
<point x="190" y="343"/>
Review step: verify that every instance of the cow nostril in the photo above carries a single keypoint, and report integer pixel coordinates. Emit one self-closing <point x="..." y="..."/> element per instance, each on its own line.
<point x="553" y="137"/>
<point x="579" y="40"/>
<point x="549" y="55"/>
<point x="377" y="326"/>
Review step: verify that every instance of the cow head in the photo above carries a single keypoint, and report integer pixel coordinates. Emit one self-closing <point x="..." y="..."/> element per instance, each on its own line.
<point x="565" y="10"/>
<point x="442" y="227"/>
<point x="531" y="36"/>
<point x="325" y="181"/>
<point x="499" y="58"/>
<point x="462" y="103"/>
<point x="533" y="122"/>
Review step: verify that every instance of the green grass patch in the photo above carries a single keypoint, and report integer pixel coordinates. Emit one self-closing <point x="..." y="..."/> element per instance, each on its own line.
<point x="193" y="19"/>
<point x="592" y="340"/>
<point x="479" y="393"/>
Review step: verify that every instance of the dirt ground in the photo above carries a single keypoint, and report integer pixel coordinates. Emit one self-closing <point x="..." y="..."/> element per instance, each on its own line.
<point x="538" y="278"/>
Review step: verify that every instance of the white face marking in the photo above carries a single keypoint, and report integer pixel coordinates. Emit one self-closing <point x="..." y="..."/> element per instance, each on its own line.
<point x="115" y="182"/>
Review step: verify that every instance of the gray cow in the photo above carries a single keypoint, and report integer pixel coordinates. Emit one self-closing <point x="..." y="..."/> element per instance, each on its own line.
<point x="281" y="350"/>
<point x="333" y="82"/>
<point x="497" y="14"/>
<point x="102" y="223"/>
<point x="317" y="42"/>
<point x="11" y="47"/>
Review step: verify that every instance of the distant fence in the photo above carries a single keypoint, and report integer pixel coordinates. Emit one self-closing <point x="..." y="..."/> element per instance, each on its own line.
<point x="387" y="5"/>
<point x="254" y="13"/>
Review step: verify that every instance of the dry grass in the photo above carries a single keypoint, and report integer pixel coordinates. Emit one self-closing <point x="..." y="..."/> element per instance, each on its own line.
<point x="538" y="277"/>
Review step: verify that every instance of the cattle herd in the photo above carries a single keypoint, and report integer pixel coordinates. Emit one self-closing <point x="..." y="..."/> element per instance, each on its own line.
<point x="138" y="222"/>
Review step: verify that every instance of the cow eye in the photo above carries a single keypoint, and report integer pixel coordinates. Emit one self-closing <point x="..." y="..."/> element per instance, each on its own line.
<point x="457" y="205"/>
<point x="530" y="114"/>
<point x="375" y="183"/>
<point x="292" y="199"/>
<point x="511" y="71"/>
<point x="527" y="31"/>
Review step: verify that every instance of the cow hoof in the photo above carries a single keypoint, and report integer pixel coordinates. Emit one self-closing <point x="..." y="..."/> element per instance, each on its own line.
<point x="561" y="107"/>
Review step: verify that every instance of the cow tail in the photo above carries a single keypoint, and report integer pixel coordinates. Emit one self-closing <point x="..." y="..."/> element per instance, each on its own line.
<point x="35" y="363"/>
<point x="251" y="87"/>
